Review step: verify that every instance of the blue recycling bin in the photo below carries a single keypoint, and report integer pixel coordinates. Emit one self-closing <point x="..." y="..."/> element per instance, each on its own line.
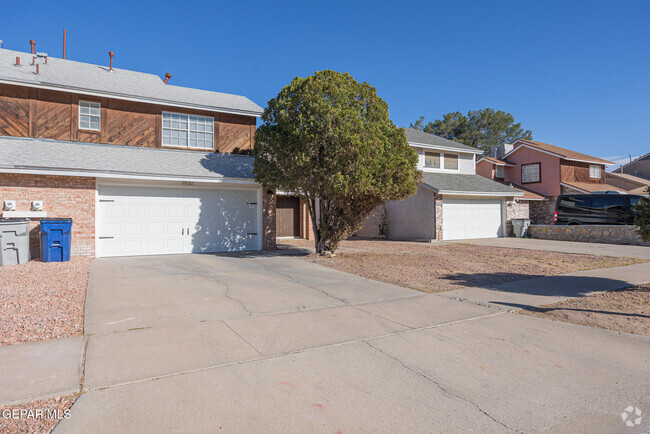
<point x="56" y="238"/>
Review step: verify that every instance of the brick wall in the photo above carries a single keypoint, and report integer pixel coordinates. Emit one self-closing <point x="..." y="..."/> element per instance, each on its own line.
<point x="542" y="211"/>
<point x="62" y="196"/>
<point x="306" y="229"/>
<point x="516" y="209"/>
<point x="268" y="220"/>
<point x="437" y="203"/>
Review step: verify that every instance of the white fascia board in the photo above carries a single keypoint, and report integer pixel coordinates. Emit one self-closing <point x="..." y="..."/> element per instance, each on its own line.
<point x="479" y="193"/>
<point x="445" y="148"/>
<point x="562" y="157"/>
<point x="130" y="97"/>
<point x="501" y="163"/>
<point x="117" y="175"/>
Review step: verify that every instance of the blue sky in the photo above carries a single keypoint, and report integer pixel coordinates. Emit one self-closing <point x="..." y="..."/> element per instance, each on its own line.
<point x="576" y="73"/>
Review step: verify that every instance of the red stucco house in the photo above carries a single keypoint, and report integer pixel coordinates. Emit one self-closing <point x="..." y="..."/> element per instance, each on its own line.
<point x="544" y="169"/>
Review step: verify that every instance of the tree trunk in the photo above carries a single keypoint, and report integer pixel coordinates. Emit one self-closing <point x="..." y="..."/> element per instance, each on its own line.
<point x="318" y="241"/>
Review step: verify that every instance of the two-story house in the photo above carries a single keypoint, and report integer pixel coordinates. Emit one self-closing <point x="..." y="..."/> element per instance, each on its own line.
<point x="452" y="202"/>
<point x="142" y="167"/>
<point x="546" y="170"/>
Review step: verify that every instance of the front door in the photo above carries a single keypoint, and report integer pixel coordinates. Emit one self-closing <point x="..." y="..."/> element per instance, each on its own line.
<point x="287" y="216"/>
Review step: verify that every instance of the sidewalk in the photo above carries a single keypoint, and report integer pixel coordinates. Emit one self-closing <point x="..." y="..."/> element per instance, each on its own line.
<point x="551" y="289"/>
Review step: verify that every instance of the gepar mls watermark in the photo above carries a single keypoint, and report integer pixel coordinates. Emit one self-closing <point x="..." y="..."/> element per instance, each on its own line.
<point x="632" y="416"/>
<point x="30" y="413"/>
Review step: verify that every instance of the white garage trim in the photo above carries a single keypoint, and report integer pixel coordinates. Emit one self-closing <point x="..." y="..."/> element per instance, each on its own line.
<point x="191" y="216"/>
<point x="472" y="217"/>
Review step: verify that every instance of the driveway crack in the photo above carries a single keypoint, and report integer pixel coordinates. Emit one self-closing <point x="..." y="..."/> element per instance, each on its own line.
<point x="227" y="293"/>
<point x="293" y="279"/>
<point x="439" y="386"/>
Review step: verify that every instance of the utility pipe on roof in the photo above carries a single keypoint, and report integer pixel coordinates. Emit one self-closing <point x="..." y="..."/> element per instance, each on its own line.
<point x="33" y="44"/>
<point x="64" y="41"/>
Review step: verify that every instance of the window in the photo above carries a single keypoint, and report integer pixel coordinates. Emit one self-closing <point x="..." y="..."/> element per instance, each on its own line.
<point x="187" y="131"/>
<point x="89" y="115"/>
<point x="498" y="172"/>
<point x="432" y="160"/>
<point x="451" y="162"/>
<point x="530" y="173"/>
<point x="594" y="171"/>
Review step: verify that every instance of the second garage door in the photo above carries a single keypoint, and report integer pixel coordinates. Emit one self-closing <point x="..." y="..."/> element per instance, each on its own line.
<point x="471" y="218"/>
<point x="134" y="220"/>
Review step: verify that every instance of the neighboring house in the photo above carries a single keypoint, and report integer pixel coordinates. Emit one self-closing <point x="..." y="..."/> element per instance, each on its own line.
<point x="141" y="166"/>
<point x="451" y="203"/>
<point x="545" y="170"/>
<point x="628" y="183"/>
<point x="639" y="167"/>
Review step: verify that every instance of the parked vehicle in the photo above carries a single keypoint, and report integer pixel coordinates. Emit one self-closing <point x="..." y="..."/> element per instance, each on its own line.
<point x="596" y="209"/>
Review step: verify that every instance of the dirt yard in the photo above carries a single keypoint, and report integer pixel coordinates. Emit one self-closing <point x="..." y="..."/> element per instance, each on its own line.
<point x="42" y="300"/>
<point x="443" y="267"/>
<point x="37" y="416"/>
<point x="626" y="310"/>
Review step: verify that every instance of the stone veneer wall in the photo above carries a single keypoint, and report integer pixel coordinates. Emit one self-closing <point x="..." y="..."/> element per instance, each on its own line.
<point x="63" y="197"/>
<point x="608" y="234"/>
<point x="541" y="211"/>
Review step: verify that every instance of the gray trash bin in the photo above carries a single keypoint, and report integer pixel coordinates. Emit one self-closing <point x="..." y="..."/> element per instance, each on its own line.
<point x="14" y="241"/>
<point x="520" y="227"/>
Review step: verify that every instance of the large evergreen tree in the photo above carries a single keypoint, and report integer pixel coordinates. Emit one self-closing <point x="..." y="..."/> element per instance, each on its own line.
<point x="329" y="139"/>
<point x="480" y="128"/>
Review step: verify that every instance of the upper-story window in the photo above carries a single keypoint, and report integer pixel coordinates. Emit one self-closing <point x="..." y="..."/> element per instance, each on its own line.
<point x="594" y="171"/>
<point x="432" y="160"/>
<point x="451" y="161"/>
<point x="498" y="172"/>
<point x="187" y="131"/>
<point x="530" y="173"/>
<point x="89" y="115"/>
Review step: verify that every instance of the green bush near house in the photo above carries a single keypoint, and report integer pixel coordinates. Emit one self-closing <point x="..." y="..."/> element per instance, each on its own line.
<point x="329" y="139"/>
<point x="642" y="220"/>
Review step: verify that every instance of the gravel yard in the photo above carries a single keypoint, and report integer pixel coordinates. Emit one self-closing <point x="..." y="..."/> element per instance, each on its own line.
<point x="42" y="300"/>
<point x="442" y="267"/>
<point x="43" y="418"/>
<point x="626" y="310"/>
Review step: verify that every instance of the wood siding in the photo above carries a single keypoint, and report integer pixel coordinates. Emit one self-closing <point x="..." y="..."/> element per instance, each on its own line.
<point x="29" y="112"/>
<point x="579" y="172"/>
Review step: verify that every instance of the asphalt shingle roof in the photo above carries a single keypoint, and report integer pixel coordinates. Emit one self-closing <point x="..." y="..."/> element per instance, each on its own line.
<point x="417" y="136"/>
<point x="71" y="76"/>
<point x="455" y="182"/>
<point x="563" y="152"/>
<point x="56" y="155"/>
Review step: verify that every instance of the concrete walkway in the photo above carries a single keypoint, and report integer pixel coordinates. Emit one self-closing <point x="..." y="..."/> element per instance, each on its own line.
<point x="565" y="247"/>
<point x="200" y="343"/>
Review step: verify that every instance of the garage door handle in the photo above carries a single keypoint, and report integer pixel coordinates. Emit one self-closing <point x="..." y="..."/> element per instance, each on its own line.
<point x="106" y="238"/>
<point x="183" y="231"/>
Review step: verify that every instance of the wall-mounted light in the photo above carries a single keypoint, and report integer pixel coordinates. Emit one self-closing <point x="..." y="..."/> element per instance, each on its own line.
<point x="10" y="205"/>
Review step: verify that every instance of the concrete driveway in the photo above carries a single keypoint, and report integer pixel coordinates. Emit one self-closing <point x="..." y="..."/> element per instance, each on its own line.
<point x="200" y="343"/>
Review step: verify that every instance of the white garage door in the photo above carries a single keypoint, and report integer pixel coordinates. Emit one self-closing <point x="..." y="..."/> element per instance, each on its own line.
<point x="134" y="220"/>
<point x="471" y="218"/>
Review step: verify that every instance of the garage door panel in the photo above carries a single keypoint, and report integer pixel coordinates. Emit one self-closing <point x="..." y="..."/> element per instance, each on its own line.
<point x="471" y="218"/>
<point x="159" y="220"/>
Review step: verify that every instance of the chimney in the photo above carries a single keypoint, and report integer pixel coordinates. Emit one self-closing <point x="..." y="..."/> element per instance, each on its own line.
<point x="33" y="44"/>
<point x="167" y="77"/>
<point x="64" y="38"/>
<point x="111" y="54"/>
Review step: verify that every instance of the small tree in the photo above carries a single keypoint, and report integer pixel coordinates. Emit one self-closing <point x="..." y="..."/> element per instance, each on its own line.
<point x="642" y="219"/>
<point x="329" y="139"/>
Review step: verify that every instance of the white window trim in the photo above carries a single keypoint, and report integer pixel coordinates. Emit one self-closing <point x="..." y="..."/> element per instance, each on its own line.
<point x="97" y="116"/>
<point x="600" y="173"/>
<point x="442" y="161"/>
<point x="188" y="132"/>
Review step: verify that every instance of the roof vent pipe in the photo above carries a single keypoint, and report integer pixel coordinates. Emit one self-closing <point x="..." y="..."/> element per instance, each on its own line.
<point x="37" y="71"/>
<point x="17" y="61"/>
<point x="33" y="44"/>
<point x="167" y="77"/>
<point x="64" y="38"/>
<point x="111" y="54"/>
